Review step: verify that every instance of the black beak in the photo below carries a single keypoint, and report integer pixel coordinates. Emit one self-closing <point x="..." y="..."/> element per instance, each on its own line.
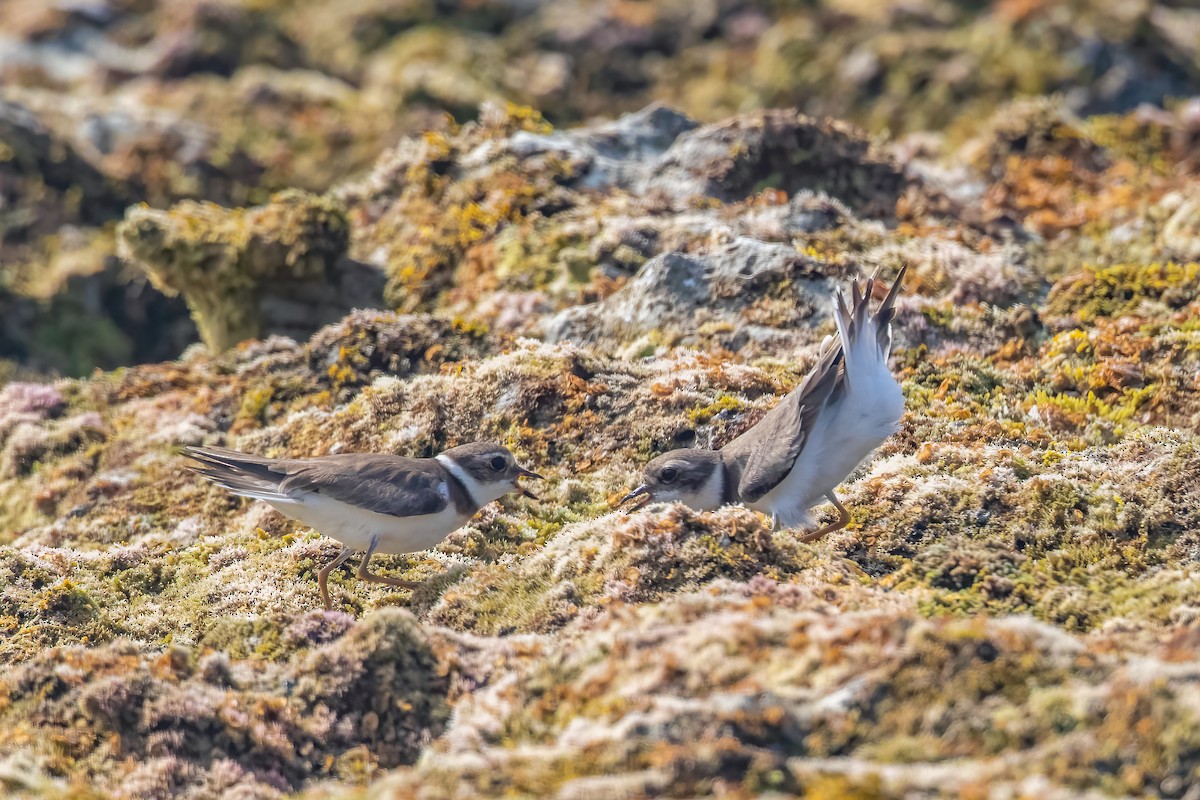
<point x="526" y="473"/>
<point x="640" y="491"/>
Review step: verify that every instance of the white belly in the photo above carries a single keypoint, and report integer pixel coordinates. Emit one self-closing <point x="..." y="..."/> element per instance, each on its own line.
<point x="355" y="527"/>
<point x="800" y="489"/>
<point x="842" y="438"/>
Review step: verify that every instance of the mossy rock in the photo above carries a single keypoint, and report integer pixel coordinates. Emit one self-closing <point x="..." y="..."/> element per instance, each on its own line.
<point x="248" y="272"/>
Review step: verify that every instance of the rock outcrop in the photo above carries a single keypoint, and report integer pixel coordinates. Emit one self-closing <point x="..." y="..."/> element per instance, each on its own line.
<point x="279" y="269"/>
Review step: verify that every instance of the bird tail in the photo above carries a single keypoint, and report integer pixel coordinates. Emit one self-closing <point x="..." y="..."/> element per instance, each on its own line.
<point x="856" y="327"/>
<point x="242" y="474"/>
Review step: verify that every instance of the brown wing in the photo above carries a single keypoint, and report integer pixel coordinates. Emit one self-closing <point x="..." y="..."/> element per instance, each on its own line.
<point x="385" y="484"/>
<point x="775" y="443"/>
<point x="392" y="485"/>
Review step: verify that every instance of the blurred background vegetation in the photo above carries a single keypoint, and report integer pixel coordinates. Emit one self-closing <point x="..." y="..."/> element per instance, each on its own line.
<point x="106" y="104"/>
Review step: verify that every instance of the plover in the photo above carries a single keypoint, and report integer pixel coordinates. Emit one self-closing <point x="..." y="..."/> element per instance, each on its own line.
<point x="804" y="447"/>
<point x="373" y="503"/>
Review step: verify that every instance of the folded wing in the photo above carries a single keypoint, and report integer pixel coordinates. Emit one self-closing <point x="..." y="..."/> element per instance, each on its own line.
<point x="384" y="484"/>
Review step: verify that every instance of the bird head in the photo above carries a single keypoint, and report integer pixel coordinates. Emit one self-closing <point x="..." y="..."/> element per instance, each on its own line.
<point x="692" y="477"/>
<point x="493" y="469"/>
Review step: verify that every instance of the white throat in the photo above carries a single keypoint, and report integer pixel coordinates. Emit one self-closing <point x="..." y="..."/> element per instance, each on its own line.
<point x="480" y="493"/>
<point x="708" y="497"/>
<point x="712" y="495"/>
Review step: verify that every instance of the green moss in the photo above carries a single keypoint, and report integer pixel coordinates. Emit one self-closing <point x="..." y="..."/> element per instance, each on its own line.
<point x="1006" y="672"/>
<point x="1123" y="289"/>
<point x="248" y="638"/>
<point x="255" y="406"/>
<point x="1130" y="136"/>
<point x="725" y="403"/>
<point x="67" y="602"/>
<point x="534" y="254"/>
<point x="224" y="260"/>
<point x="648" y="558"/>
<point x="1072" y="411"/>
<point x="143" y="580"/>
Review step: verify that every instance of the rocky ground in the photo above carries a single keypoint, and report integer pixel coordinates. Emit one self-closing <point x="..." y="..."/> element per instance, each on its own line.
<point x="1012" y="611"/>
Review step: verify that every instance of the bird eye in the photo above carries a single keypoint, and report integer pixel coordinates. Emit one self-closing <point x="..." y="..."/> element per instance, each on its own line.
<point x="499" y="463"/>
<point x="669" y="475"/>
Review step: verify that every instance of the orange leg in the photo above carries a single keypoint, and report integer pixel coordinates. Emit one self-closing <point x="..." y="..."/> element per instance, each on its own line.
<point x="323" y="575"/>
<point x="843" y="521"/>
<point x="365" y="575"/>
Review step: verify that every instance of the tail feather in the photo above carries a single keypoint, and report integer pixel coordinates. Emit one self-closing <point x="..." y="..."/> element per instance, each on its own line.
<point x="862" y="302"/>
<point x="223" y="459"/>
<point x="240" y="473"/>
<point x="853" y="320"/>
<point x="887" y="312"/>
<point x="842" y="318"/>
<point x="234" y="482"/>
<point x="868" y="402"/>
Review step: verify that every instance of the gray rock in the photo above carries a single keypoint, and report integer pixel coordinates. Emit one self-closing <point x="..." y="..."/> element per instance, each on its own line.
<point x="779" y="149"/>
<point x="744" y="294"/>
<point x="621" y="154"/>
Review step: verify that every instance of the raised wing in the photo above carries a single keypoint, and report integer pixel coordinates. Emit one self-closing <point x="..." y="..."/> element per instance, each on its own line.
<point x="777" y="440"/>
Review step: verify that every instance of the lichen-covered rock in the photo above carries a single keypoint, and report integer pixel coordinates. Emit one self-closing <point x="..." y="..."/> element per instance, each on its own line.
<point x="743" y="295"/>
<point x="780" y="150"/>
<point x="245" y="273"/>
<point x="432" y="206"/>
<point x="179" y="722"/>
<point x="509" y="208"/>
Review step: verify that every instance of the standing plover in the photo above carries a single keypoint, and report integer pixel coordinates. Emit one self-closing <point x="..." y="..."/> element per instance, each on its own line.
<point x="805" y="446"/>
<point x="375" y="503"/>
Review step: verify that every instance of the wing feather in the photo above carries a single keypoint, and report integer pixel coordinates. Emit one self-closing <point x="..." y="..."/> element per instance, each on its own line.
<point x="392" y="485"/>
<point x="385" y="484"/>
<point x="780" y="436"/>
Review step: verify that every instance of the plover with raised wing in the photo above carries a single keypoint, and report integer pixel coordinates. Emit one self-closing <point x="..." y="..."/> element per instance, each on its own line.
<point x="846" y="406"/>
<point x="373" y="503"/>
